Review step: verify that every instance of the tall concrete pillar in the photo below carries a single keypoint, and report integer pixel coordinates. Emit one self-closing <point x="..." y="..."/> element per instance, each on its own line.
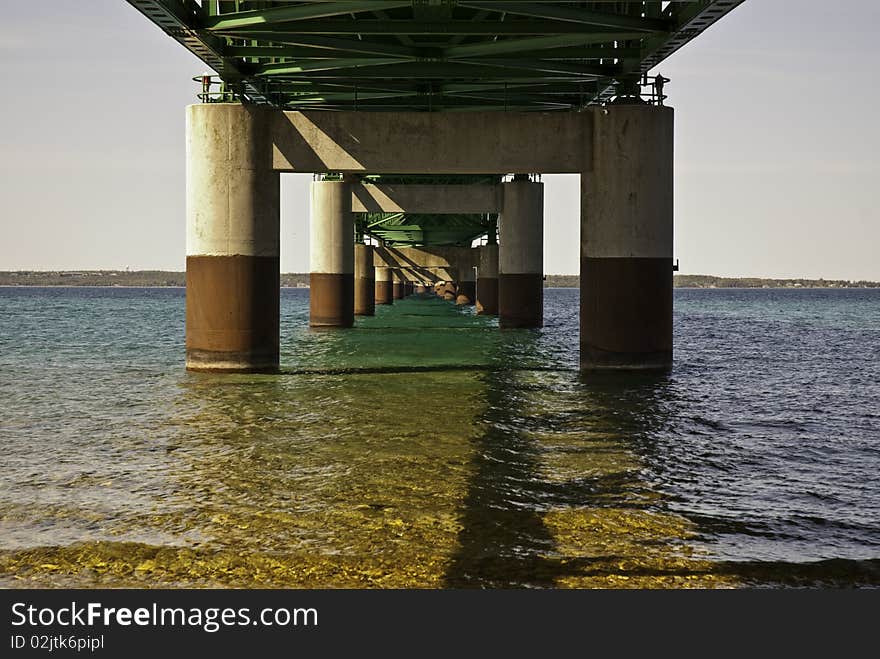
<point x="384" y="286"/>
<point x="467" y="286"/>
<point x="397" y="284"/>
<point x="487" y="281"/>
<point x="364" y="281"/>
<point x="331" y="299"/>
<point x="626" y="241"/>
<point x="521" y="255"/>
<point x="232" y="240"/>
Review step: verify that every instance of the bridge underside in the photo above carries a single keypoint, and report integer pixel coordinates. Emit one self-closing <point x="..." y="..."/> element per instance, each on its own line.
<point x="431" y="55"/>
<point x="428" y="123"/>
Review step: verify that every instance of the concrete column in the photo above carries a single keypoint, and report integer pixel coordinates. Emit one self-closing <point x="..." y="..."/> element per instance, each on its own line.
<point x="331" y="300"/>
<point x="487" y="281"/>
<point x="384" y="286"/>
<point x="467" y="286"/>
<point x="397" y="284"/>
<point x="232" y="240"/>
<point x="521" y="255"/>
<point x="420" y="289"/>
<point x="626" y="241"/>
<point x="364" y="281"/>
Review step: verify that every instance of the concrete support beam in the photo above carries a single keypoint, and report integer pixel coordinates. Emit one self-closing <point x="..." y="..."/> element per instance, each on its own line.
<point x="232" y="241"/>
<point x="384" y="285"/>
<point x="417" y="198"/>
<point x="331" y="232"/>
<point x="364" y="281"/>
<point x="626" y="241"/>
<point x="432" y="142"/>
<point x="521" y="256"/>
<point x="487" y="281"/>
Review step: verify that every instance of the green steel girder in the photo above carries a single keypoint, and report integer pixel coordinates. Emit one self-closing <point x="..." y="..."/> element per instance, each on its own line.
<point x="575" y="53"/>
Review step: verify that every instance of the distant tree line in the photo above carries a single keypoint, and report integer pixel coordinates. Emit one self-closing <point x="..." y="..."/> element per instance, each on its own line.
<point x="709" y="281"/>
<point x="298" y="280"/>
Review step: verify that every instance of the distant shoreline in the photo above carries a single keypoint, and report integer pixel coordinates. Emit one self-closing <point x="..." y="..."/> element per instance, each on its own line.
<point x="173" y="279"/>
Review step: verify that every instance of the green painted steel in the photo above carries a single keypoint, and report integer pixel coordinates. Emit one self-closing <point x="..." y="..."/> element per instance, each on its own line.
<point x="431" y="55"/>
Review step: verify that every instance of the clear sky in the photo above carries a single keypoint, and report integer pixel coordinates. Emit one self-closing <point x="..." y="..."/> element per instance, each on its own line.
<point x="777" y="144"/>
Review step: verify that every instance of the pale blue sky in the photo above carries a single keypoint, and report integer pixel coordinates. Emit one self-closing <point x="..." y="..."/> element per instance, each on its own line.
<point x="777" y="144"/>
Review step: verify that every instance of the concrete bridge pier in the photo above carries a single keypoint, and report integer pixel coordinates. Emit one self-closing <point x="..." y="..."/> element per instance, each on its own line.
<point x="521" y="255"/>
<point x="466" y="293"/>
<point x="331" y="299"/>
<point x="397" y="284"/>
<point x="232" y="241"/>
<point x="487" y="281"/>
<point x="384" y="286"/>
<point x="626" y="241"/>
<point x="364" y="281"/>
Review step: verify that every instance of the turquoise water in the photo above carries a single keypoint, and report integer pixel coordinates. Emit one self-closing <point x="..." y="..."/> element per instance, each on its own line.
<point x="426" y="448"/>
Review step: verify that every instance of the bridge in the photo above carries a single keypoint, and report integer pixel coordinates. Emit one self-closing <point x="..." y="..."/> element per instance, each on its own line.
<point x="428" y="124"/>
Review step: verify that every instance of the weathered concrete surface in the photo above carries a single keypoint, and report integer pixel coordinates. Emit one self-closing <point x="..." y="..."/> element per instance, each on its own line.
<point x="233" y="240"/>
<point x="415" y="198"/>
<point x="626" y="202"/>
<point x="431" y="142"/>
<point x="232" y="194"/>
<point x="331" y="233"/>
<point x="521" y="256"/>
<point x="626" y="241"/>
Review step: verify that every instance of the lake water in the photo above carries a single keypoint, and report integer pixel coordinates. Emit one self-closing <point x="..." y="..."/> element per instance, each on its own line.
<point x="426" y="448"/>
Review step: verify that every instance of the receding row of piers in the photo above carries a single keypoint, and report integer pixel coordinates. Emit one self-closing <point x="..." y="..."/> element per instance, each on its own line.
<point x="235" y="153"/>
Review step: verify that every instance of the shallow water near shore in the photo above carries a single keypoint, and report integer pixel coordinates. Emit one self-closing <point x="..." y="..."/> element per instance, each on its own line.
<point x="426" y="448"/>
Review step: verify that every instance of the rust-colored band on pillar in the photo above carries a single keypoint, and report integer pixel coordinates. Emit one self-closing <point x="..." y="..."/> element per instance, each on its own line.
<point x="466" y="293"/>
<point x="520" y="300"/>
<point x="364" y="281"/>
<point x="626" y="314"/>
<point x="232" y="313"/>
<point x="331" y="300"/>
<point x="397" y="290"/>
<point x="487" y="296"/>
<point x="364" y="297"/>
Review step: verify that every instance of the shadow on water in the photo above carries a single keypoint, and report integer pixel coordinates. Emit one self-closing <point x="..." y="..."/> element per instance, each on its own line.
<point x="503" y="536"/>
<point x="505" y="539"/>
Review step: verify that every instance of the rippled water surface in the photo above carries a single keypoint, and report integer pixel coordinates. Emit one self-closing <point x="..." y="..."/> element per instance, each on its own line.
<point x="426" y="448"/>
